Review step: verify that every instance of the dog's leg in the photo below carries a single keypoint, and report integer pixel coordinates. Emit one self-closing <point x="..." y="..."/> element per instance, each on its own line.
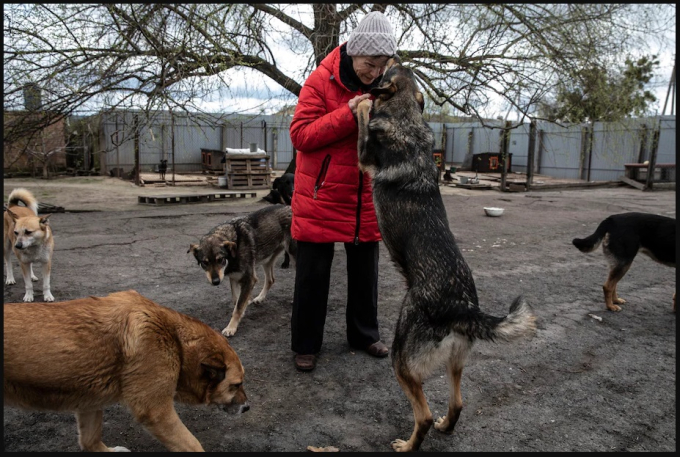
<point x="363" y="110"/>
<point x="90" y="432"/>
<point x="34" y="278"/>
<point x="447" y="423"/>
<point x="8" y="263"/>
<point x="269" y="279"/>
<point x="413" y="389"/>
<point x="164" y="423"/>
<point x="28" y="284"/>
<point x="46" y="270"/>
<point x="610" y="297"/>
<point x="246" y="284"/>
<point x="235" y="290"/>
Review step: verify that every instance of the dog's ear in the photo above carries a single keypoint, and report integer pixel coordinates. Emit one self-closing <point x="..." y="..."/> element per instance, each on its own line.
<point x="389" y="90"/>
<point x="394" y="60"/>
<point x="421" y="101"/>
<point x="230" y="247"/>
<point x="214" y="369"/>
<point x="44" y="219"/>
<point x="12" y="215"/>
<point x="192" y="248"/>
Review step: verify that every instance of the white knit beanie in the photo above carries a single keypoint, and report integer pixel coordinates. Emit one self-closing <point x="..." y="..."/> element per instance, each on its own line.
<point x="372" y="37"/>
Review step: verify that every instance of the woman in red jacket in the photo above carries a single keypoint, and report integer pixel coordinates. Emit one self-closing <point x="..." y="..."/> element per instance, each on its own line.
<point x="333" y="200"/>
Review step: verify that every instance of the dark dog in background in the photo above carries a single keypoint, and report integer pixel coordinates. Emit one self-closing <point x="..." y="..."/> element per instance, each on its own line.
<point x="624" y="235"/>
<point x="162" y="168"/>
<point x="440" y="316"/>
<point x="235" y="248"/>
<point x="282" y="192"/>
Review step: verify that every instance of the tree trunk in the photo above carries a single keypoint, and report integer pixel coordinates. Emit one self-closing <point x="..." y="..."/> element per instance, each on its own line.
<point x="326" y="33"/>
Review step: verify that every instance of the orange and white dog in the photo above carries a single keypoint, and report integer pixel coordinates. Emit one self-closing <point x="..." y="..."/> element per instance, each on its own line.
<point x="29" y="236"/>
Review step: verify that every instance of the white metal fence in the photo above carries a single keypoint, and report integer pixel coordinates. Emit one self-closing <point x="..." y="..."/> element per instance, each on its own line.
<point x="560" y="151"/>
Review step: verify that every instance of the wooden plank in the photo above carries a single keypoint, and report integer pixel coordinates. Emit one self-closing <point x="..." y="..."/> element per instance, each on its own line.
<point x="631" y="182"/>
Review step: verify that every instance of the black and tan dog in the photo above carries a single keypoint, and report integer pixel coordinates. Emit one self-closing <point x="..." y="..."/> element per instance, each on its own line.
<point x="624" y="235"/>
<point x="235" y="248"/>
<point x="85" y="354"/>
<point x="440" y="316"/>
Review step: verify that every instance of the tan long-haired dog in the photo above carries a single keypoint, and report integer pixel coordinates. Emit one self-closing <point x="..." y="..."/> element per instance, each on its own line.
<point x="82" y="355"/>
<point x="29" y="237"/>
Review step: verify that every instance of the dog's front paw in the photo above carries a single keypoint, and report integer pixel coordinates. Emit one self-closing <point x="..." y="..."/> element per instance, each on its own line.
<point x="365" y="105"/>
<point x="229" y="330"/>
<point x="619" y="300"/>
<point x="119" y="449"/>
<point x="401" y="446"/>
<point x="50" y="297"/>
<point x="34" y="278"/>
<point x="10" y="281"/>
<point x="28" y="297"/>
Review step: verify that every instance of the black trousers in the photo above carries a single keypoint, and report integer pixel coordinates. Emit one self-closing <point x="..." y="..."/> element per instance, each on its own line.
<point x="312" y="284"/>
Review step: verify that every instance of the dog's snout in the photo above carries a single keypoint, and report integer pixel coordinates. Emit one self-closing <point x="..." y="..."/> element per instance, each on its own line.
<point x="216" y="281"/>
<point x="19" y="245"/>
<point x="243" y="408"/>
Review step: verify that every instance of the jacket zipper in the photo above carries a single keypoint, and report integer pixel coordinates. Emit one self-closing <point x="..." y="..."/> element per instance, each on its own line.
<point x="361" y="187"/>
<point x="321" y="179"/>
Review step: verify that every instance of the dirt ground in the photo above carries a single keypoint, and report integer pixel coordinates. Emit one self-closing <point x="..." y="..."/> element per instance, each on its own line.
<point x="580" y="384"/>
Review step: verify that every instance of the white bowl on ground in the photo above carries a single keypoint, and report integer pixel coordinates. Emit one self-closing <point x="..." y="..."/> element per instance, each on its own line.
<point x="493" y="212"/>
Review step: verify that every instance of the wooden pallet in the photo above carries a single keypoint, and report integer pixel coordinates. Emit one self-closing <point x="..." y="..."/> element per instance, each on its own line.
<point x="474" y="186"/>
<point x="248" y="181"/>
<point x="159" y="200"/>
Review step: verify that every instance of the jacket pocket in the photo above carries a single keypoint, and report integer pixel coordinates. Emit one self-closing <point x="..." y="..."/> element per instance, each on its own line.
<point x="321" y="178"/>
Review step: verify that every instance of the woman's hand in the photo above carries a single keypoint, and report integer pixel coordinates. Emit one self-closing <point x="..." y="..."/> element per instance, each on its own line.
<point x="353" y="103"/>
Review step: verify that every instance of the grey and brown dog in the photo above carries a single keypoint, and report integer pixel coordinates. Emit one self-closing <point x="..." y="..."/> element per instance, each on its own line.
<point x="235" y="249"/>
<point x="440" y="316"/>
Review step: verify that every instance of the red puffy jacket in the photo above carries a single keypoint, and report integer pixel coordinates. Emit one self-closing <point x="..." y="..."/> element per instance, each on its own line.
<point x="333" y="200"/>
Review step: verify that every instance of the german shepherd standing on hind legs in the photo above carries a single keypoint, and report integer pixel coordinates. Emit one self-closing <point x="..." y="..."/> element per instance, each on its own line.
<point x="440" y="317"/>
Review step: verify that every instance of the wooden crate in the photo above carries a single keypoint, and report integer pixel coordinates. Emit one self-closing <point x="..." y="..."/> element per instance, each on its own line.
<point x="248" y="171"/>
<point x="247" y="163"/>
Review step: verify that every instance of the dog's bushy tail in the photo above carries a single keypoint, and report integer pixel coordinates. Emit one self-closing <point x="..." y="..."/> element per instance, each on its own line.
<point x="591" y="243"/>
<point x="520" y="321"/>
<point x="24" y="196"/>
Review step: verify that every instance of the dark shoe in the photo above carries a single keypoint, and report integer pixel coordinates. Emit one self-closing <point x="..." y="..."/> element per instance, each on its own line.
<point x="305" y="362"/>
<point x="378" y="349"/>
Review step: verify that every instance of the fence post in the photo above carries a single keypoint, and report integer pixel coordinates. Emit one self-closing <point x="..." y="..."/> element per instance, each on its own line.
<point x="135" y="132"/>
<point x="643" y="144"/>
<point x="539" y="159"/>
<point x="530" y="153"/>
<point x="582" y="153"/>
<point x="591" y="136"/>
<point x="652" y="159"/>
<point x="505" y="140"/>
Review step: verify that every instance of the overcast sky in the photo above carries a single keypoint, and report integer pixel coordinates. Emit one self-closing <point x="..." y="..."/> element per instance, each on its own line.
<point x="257" y="93"/>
